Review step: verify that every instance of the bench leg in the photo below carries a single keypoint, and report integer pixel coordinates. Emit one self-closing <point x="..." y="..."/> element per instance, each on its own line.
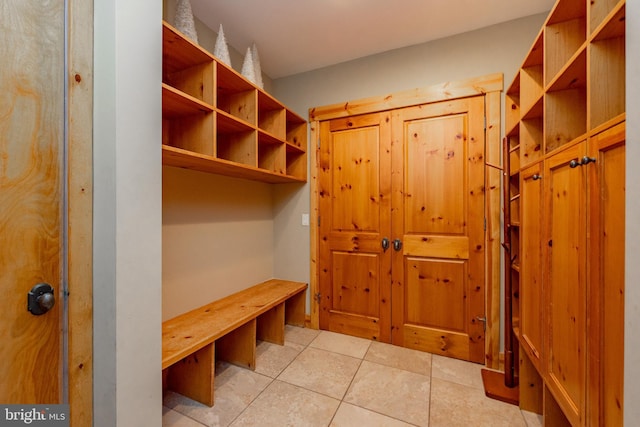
<point x="239" y="346"/>
<point x="295" y="309"/>
<point x="271" y="325"/>
<point x="193" y="376"/>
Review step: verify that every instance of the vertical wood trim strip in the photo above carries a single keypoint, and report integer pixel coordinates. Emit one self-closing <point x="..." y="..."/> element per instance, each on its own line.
<point x="312" y="148"/>
<point x="80" y="212"/>
<point x="493" y="178"/>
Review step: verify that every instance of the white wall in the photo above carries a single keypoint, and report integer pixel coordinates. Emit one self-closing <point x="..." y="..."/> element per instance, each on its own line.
<point x="632" y="274"/>
<point x="127" y="213"/>
<point x="217" y="237"/>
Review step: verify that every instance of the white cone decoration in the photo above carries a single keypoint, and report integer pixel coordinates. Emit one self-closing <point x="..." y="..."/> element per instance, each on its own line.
<point x="248" y="69"/>
<point x="221" y="50"/>
<point x="257" y="70"/>
<point x="184" y="20"/>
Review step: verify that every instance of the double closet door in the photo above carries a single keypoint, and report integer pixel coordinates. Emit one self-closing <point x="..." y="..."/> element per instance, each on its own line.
<point x="401" y="227"/>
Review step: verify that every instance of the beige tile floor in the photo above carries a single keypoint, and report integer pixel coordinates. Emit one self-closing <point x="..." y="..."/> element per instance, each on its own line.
<point x="321" y="378"/>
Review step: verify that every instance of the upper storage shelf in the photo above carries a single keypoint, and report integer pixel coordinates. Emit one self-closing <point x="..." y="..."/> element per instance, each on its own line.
<point x="571" y="83"/>
<point x="214" y="120"/>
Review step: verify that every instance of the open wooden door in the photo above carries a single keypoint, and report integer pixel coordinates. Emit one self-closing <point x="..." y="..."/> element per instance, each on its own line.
<point x="45" y="206"/>
<point x="438" y="220"/>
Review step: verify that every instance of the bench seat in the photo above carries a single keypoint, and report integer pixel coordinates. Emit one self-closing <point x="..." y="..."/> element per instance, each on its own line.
<point x="227" y="329"/>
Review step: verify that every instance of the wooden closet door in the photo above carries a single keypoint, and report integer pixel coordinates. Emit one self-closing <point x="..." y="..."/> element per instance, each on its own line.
<point x="606" y="276"/>
<point x="355" y="205"/>
<point x="438" y="214"/>
<point x="531" y="306"/>
<point x="565" y="289"/>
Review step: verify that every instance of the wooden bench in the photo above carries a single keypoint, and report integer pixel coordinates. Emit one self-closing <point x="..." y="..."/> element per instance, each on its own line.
<point x="227" y="329"/>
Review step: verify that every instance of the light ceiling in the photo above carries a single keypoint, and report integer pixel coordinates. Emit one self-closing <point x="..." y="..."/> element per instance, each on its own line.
<point x="294" y="36"/>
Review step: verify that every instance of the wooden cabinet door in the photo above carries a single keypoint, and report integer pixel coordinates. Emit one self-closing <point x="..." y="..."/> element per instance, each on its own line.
<point x="355" y="208"/>
<point x="606" y="276"/>
<point x="438" y="214"/>
<point x="531" y="305"/>
<point x="31" y="199"/>
<point x="565" y="288"/>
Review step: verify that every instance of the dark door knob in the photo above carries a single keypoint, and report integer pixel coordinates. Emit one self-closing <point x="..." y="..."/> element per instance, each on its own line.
<point x="397" y="244"/>
<point x="40" y="299"/>
<point x="385" y="244"/>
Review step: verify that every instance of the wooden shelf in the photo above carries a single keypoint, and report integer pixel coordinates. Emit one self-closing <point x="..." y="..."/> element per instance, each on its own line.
<point x="564" y="34"/>
<point x="216" y="121"/>
<point x="531" y="136"/>
<point x="512" y="107"/>
<point x="565" y="117"/>
<point x="607" y="69"/>
<point x="573" y="75"/>
<point x="172" y="156"/>
<point x="607" y="18"/>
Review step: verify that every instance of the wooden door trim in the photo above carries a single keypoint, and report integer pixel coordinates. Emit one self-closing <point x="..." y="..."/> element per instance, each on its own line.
<point x="489" y="86"/>
<point x="80" y="212"/>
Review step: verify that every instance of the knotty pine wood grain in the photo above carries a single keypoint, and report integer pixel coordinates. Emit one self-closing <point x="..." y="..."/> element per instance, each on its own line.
<point x="193" y="330"/>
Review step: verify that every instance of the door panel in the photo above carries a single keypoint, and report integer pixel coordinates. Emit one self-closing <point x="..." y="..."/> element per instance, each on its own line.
<point x="355" y="284"/>
<point x="531" y="305"/>
<point x="355" y="208"/>
<point x="565" y="189"/>
<point x="606" y="275"/>
<point x="438" y="212"/>
<point x="431" y="154"/>
<point x="435" y="280"/>
<point x="31" y="195"/>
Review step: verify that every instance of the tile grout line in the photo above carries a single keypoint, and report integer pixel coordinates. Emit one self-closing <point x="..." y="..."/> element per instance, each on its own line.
<point x="305" y="346"/>
<point x="341" y="400"/>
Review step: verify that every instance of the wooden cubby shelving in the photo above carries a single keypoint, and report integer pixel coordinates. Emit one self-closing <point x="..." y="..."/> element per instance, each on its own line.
<point x="216" y="121"/>
<point x="567" y="104"/>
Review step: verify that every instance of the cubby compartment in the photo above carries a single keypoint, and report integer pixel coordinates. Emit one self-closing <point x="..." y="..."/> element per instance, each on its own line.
<point x="271" y="153"/>
<point x="515" y="209"/>
<point x="296" y="162"/>
<point x="193" y="133"/>
<point x="565" y="117"/>
<point x="187" y="67"/>
<point x="514" y="153"/>
<point x="296" y="131"/>
<point x="564" y="34"/>
<point x="272" y="116"/>
<point x="531" y="79"/>
<point x="531" y="134"/>
<point x="607" y="70"/>
<point x="235" y="95"/>
<point x="236" y="141"/>
<point x="187" y="123"/>
<point x="600" y="11"/>
<point x="573" y="74"/>
<point x="512" y="106"/>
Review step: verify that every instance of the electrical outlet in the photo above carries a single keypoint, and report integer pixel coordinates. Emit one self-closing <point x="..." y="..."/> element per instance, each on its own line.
<point x="305" y="219"/>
